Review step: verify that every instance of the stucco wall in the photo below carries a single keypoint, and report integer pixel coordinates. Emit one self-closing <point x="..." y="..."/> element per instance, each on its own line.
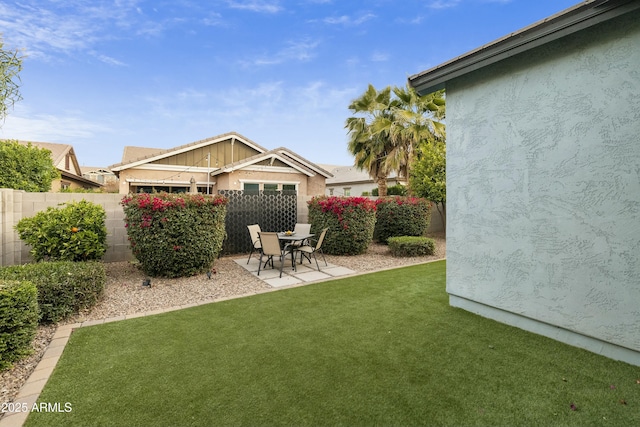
<point x="543" y="189"/>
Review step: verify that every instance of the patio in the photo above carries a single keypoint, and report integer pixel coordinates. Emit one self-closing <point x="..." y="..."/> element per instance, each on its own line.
<point x="304" y="272"/>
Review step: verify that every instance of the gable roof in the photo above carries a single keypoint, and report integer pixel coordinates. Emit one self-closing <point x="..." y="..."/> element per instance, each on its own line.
<point x="283" y="154"/>
<point x="59" y="153"/>
<point x="568" y="21"/>
<point x="135" y="156"/>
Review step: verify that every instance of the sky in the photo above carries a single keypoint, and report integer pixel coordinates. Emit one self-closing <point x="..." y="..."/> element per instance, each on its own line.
<point x="103" y="74"/>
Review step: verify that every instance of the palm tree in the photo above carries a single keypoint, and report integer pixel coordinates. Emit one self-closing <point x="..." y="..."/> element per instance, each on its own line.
<point x="368" y="142"/>
<point x="386" y="129"/>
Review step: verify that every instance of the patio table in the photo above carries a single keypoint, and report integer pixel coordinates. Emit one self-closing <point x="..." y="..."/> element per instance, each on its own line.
<point x="290" y="239"/>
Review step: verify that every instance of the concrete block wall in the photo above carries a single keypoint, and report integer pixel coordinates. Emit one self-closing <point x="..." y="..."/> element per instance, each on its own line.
<point x="16" y="204"/>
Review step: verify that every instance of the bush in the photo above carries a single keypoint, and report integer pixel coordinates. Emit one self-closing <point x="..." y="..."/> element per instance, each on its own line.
<point x="64" y="287"/>
<point x="75" y="232"/>
<point x="18" y="320"/>
<point x="401" y="216"/>
<point x="350" y="221"/>
<point x="408" y="246"/>
<point x="394" y="190"/>
<point x="175" y="235"/>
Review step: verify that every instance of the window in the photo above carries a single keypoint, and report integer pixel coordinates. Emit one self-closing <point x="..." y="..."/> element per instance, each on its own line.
<point x="251" y="188"/>
<point x="347" y="191"/>
<point x="270" y="187"/>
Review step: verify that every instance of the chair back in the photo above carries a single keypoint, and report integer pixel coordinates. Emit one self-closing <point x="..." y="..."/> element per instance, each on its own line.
<point x="254" y="232"/>
<point x="302" y="228"/>
<point x="321" y="239"/>
<point x="270" y="243"/>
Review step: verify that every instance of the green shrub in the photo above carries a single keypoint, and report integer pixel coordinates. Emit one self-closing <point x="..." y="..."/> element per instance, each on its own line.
<point x="401" y="216"/>
<point x="350" y="221"/>
<point x="408" y="246"/>
<point x="75" y="232"/>
<point x="394" y="190"/>
<point x="64" y="287"/>
<point x="175" y="235"/>
<point x="18" y="320"/>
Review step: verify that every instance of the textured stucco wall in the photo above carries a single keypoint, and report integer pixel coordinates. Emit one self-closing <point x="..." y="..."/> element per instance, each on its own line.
<point x="543" y="184"/>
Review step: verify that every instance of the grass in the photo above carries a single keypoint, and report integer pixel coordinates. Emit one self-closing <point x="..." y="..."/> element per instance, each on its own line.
<point x="378" y="349"/>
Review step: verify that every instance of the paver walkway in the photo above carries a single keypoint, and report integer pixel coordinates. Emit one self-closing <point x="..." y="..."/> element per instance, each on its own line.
<point x="304" y="273"/>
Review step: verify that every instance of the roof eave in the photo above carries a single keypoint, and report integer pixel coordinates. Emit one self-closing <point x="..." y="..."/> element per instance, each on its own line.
<point x="576" y="18"/>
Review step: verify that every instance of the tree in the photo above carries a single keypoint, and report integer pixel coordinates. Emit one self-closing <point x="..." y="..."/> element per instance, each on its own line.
<point x="25" y="167"/>
<point x="388" y="125"/>
<point x="428" y="175"/>
<point x="10" y="66"/>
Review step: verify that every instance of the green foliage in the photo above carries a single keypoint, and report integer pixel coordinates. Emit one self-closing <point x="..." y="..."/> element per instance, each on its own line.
<point x="175" y="235"/>
<point x="350" y="221"/>
<point x="25" y="167"/>
<point x="396" y="190"/>
<point x="64" y="287"/>
<point x="10" y="67"/>
<point x="410" y="246"/>
<point x="75" y="232"/>
<point x="18" y="320"/>
<point x="401" y="216"/>
<point x="428" y="174"/>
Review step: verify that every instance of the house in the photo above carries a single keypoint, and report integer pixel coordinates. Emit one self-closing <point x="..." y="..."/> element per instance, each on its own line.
<point x="352" y="181"/>
<point x="225" y="162"/>
<point x="65" y="160"/>
<point x="543" y="177"/>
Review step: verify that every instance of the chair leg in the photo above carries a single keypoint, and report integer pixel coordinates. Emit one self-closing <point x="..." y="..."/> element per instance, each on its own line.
<point x="323" y="258"/>
<point x="316" y="258"/>
<point x="250" y="253"/>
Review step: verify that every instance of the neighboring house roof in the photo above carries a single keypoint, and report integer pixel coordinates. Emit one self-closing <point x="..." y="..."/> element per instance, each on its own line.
<point x="136" y="156"/>
<point x="351" y="175"/>
<point x="65" y="160"/>
<point x="583" y="15"/>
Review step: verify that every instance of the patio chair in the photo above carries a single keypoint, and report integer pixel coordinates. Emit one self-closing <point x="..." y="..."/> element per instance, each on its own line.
<point x="301" y="229"/>
<point x="271" y="247"/>
<point x="309" y="251"/>
<point x="254" y="232"/>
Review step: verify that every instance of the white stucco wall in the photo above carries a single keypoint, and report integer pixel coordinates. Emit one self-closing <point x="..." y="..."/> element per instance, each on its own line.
<point x="543" y="189"/>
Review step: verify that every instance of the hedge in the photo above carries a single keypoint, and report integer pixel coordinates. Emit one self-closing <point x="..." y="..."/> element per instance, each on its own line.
<point x="401" y="216"/>
<point x="411" y="246"/>
<point x="18" y="320"/>
<point x="64" y="287"/>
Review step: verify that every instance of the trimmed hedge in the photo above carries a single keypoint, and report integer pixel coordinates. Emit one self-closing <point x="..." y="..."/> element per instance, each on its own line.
<point x="18" y="320"/>
<point x="350" y="221"/>
<point x="409" y="246"/>
<point x="175" y="235"/>
<point x="64" y="287"/>
<point x="74" y="232"/>
<point x="401" y="216"/>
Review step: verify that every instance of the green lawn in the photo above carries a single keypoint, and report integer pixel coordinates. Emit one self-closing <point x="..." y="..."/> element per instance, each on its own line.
<point x="377" y="349"/>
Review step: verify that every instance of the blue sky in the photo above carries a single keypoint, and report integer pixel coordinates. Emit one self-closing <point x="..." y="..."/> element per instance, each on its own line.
<point x="102" y="74"/>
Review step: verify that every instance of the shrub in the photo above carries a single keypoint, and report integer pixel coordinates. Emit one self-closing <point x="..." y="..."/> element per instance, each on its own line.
<point x="64" y="287"/>
<point x="394" y="190"/>
<point x="175" y="235"/>
<point x="18" y="320"/>
<point x="408" y="246"/>
<point x="75" y="232"/>
<point x="401" y="216"/>
<point x="350" y="221"/>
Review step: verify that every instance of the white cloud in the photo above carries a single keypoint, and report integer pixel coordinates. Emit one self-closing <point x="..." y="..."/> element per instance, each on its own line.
<point x="261" y="6"/>
<point x="443" y="4"/>
<point x="349" y="20"/>
<point x="379" y="57"/>
<point x="298" y="50"/>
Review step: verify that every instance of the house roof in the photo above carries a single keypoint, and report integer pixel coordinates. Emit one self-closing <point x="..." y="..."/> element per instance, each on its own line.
<point x="58" y="155"/>
<point x="283" y="154"/>
<point x="583" y="15"/>
<point x="134" y="156"/>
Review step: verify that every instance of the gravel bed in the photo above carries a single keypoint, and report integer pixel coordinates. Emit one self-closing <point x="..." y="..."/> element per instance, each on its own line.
<point x="125" y="295"/>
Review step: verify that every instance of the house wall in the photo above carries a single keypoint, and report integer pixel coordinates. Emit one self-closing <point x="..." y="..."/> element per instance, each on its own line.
<point x="543" y="189"/>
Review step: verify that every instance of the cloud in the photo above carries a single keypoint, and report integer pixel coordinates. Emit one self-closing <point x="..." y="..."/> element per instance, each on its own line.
<point x="261" y="6"/>
<point x="348" y="21"/>
<point x="442" y="4"/>
<point x="67" y="127"/>
<point x="298" y="50"/>
<point x="379" y="57"/>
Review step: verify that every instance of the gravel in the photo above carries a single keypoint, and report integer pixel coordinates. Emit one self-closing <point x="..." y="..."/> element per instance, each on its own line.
<point x="125" y="295"/>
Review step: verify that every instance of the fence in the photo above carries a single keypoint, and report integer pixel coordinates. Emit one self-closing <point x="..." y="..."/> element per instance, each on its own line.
<point x="273" y="211"/>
